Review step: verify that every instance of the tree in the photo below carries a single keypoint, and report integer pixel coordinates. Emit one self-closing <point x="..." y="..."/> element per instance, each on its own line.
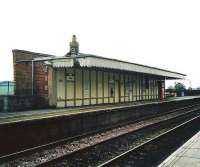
<point x="179" y="88"/>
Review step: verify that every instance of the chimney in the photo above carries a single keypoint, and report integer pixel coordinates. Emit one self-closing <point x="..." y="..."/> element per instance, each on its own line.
<point x="74" y="46"/>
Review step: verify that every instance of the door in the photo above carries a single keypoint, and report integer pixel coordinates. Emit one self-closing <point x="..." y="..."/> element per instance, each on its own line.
<point x="69" y="86"/>
<point x="117" y="91"/>
<point x="60" y="82"/>
<point x="130" y="91"/>
<point x="161" y="90"/>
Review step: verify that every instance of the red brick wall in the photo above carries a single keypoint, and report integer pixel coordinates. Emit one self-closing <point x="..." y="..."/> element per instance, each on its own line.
<point x="23" y="78"/>
<point x="23" y="74"/>
<point x="41" y="79"/>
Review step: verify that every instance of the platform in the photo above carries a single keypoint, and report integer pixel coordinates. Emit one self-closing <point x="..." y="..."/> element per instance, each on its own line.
<point x="188" y="155"/>
<point x="8" y="117"/>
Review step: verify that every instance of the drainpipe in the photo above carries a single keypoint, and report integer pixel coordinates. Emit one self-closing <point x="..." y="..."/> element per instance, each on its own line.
<point x="32" y="78"/>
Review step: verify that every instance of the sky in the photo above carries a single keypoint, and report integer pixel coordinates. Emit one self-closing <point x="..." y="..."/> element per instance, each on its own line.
<point x="158" y="33"/>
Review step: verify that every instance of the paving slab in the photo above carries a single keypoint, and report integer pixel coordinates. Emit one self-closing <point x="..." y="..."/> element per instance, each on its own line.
<point x="188" y="155"/>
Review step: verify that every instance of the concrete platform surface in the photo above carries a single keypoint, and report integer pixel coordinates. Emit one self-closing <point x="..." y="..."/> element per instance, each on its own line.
<point x="188" y="155"/>
<point x="8" y="117"/>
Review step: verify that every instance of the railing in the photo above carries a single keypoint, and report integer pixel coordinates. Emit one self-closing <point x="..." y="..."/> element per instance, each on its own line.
<point x="7" y="88"/>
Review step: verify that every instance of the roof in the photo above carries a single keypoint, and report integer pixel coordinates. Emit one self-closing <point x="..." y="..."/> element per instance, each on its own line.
<point x="88" y="60"/>
<point x="33" y="53"/>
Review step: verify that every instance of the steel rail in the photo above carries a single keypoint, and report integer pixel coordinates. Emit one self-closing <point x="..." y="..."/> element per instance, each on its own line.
<point x="124" y="157"/>
<point x="70" y="155"/>
<point x="8" y="157"/>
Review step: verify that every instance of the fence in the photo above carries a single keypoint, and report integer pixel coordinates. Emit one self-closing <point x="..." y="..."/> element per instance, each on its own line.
<point x="7" y="88"/>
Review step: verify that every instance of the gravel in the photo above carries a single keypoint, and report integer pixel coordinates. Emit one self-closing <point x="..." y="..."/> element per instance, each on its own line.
<point x="71" y="146"/>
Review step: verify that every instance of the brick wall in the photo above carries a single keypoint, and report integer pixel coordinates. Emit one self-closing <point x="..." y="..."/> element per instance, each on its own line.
<point x="23" y="78"/>
<point x="22" y="62"/>
<point x="41" y="79"/>
<point x="22" y="71"/>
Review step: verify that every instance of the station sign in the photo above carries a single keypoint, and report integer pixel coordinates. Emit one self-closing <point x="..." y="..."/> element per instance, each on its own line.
<point x="70" y="76"/>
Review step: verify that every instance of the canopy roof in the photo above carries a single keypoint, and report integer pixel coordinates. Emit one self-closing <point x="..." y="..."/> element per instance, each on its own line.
<point x="85" y="60"/>
<point x="88" y="60"/>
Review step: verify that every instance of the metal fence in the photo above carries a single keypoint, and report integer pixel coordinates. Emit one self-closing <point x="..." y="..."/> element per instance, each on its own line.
<point x="7" y="88"/>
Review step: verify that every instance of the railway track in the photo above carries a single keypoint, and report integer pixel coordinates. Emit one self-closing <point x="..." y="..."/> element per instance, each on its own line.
<point x="74" y="153"/>
<point x="96" y="154"/>
<point x="154" y="151"/>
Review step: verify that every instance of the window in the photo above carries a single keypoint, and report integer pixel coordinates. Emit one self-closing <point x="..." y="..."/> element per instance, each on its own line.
<point x="111" y="92"/>
<point x="86" y="88"/>
<point x="146" y="83"/>
<point x="128" y="88"/>
<point x="111" y="85"/>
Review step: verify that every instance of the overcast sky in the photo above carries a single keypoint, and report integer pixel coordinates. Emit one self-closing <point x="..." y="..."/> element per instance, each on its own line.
<point x="164" y="34"/>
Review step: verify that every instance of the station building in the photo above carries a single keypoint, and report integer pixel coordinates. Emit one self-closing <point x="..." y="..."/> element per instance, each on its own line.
<point x="78" y="79"/>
